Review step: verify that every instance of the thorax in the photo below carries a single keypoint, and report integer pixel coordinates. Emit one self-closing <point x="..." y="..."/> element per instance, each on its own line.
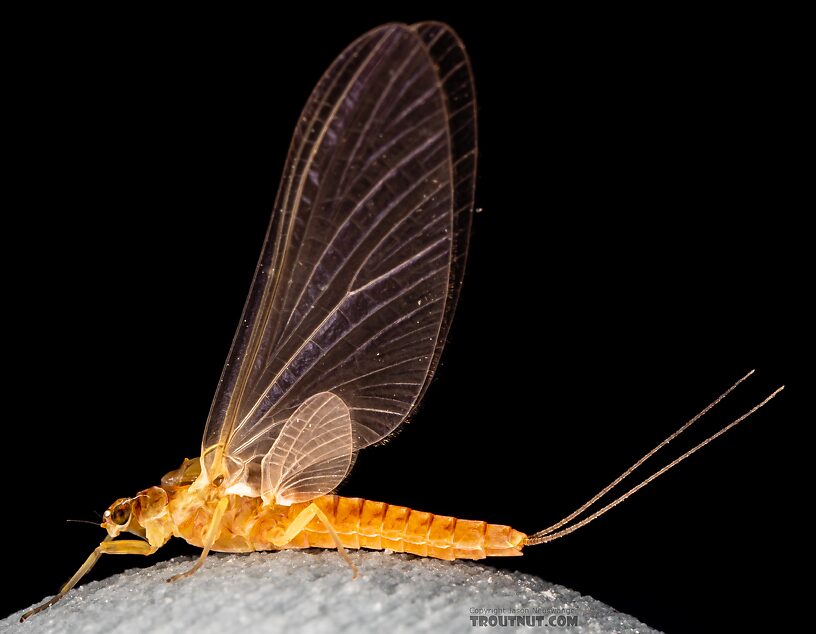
<point x="191" y="511"/>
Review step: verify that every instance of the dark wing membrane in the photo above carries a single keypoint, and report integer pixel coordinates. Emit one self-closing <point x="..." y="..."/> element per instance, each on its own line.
<point x="453" y="68"/>
<point x="363" y="259"/>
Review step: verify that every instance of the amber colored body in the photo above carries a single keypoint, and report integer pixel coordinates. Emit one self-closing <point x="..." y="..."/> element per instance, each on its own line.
<point x="248" y="524"/>
<point x="205" y="514"/>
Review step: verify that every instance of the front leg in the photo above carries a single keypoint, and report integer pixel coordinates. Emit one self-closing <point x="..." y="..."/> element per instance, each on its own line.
<point x="107" y="547"/>
<point x="302" y="520"/>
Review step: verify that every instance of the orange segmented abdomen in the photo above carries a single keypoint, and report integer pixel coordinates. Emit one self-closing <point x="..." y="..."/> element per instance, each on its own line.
<point x="366" y="524"/>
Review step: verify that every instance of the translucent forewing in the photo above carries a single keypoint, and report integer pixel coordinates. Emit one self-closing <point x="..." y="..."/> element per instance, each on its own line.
<point x="362" y="263"/>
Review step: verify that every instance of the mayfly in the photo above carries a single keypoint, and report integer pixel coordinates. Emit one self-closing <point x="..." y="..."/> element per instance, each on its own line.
<point x="344" y="325"/>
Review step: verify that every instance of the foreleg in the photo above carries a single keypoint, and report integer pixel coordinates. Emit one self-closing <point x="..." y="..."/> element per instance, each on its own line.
<point x="107" y="547"/>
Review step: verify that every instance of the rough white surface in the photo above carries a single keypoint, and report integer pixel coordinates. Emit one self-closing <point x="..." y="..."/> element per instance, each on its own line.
<point x="312" y="591"/>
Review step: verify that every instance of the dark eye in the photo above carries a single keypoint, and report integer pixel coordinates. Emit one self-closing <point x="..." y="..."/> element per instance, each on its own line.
<point x="121" y="514"/>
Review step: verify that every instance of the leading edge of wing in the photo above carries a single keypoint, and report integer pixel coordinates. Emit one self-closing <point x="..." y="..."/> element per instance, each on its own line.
<point x="355" y="242"/>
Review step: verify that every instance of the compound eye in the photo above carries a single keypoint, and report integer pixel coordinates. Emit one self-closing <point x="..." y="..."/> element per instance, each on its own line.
<point x="121" y="514"/>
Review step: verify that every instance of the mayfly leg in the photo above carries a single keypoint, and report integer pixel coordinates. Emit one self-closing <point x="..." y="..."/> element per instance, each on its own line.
<point x="302" y="520"/>
<point x="107" y="547"/>
<point x="209" y="540"/>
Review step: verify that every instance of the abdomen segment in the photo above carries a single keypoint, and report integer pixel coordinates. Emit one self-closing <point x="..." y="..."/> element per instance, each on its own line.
<point x="366" y="524"/>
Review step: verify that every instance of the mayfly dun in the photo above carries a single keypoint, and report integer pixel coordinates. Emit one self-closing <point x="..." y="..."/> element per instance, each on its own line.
<point x="344" y="325"/>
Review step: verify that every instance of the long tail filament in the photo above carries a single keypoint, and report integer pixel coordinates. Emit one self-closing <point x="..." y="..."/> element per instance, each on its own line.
<point x="551" y="533"/>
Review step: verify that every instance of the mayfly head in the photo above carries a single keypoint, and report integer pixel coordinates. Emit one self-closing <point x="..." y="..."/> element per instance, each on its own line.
<point x="129" y="514"/>
<point x="118" y="516"/>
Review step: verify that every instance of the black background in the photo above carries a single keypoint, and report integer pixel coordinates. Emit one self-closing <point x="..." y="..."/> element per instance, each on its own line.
<point x="640" y="246"/>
